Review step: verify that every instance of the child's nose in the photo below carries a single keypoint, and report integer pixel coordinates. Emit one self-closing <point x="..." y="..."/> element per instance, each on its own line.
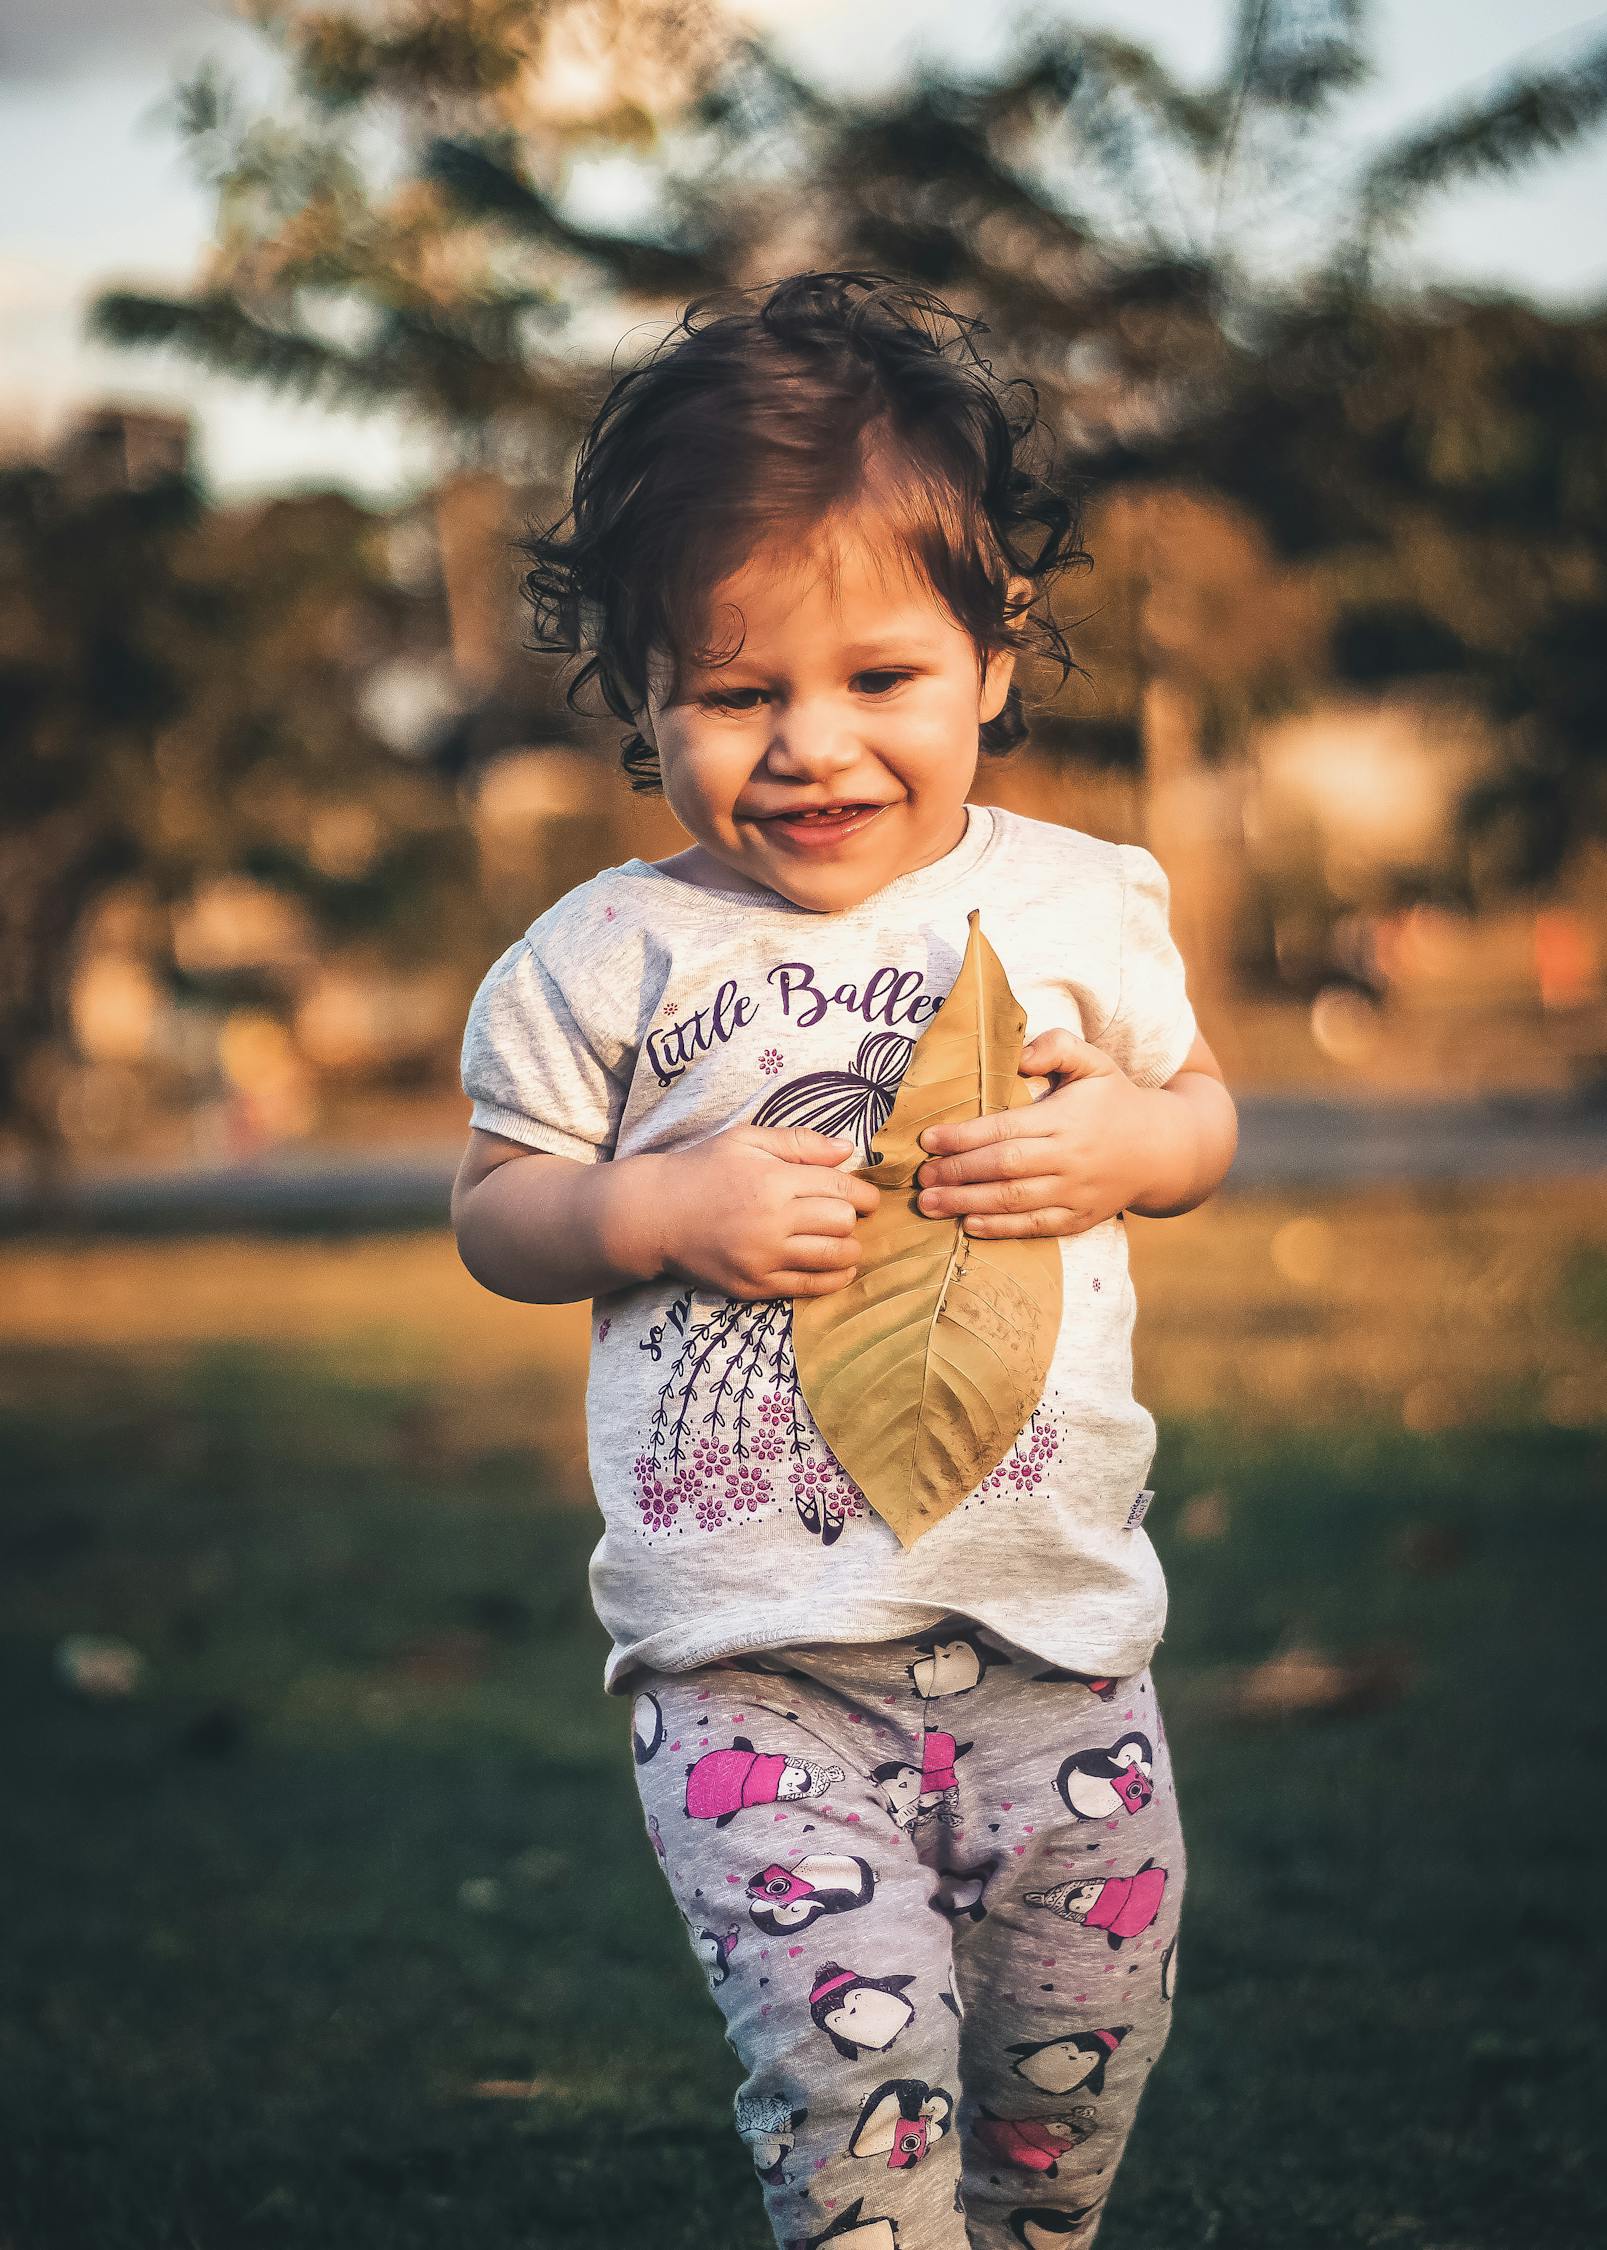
<point x="811" y="745"/>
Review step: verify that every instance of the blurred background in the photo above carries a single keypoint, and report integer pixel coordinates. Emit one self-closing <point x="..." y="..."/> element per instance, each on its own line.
<point x="301" y="314"/>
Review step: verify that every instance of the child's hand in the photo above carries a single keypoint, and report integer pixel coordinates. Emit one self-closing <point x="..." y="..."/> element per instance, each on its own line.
<point x="759" y="1211"/>
<point x="1077" y="1155"/>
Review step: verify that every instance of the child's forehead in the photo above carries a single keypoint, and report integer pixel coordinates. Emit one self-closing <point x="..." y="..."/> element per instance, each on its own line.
<point x="854" y="566"/>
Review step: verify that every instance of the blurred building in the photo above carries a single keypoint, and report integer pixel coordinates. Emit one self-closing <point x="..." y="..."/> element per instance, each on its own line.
<point x="122" y="449"/>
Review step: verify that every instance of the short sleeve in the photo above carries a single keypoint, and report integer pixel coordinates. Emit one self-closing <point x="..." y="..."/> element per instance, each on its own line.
<point x="531" y="1071"/>
<point x="1152" y="1026"/>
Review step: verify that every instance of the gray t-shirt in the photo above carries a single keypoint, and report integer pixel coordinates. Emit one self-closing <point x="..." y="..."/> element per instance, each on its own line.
<point x="647" y="1011"/>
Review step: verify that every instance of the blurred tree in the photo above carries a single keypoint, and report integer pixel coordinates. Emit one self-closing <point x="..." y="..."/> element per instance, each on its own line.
<point x="90" y="593"/>
<point x="1487" y="505"/>
<point x="178" y="700"/>
<point x="1201" y="282"/>
<point x="1199" y="278"/>
<point x="400" y="231"/>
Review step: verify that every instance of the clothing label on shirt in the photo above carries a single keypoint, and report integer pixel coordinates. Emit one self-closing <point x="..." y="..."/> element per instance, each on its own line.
<point x="1139" y="1510"/>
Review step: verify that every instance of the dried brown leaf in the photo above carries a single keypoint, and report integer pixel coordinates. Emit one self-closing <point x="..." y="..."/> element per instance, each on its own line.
<point x="922" y="1372"/>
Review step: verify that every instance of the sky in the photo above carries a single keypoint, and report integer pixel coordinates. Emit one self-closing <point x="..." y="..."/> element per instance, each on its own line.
<point x="95" y="192"/>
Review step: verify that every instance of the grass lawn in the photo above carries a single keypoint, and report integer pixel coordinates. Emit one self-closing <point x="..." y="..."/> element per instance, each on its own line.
<point x="343" y="1930"/>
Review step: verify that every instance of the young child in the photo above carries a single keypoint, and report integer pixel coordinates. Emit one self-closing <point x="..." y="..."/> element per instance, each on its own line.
<point x="914" y="1804"/>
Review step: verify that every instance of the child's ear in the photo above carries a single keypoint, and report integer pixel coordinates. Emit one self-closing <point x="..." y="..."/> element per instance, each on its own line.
<point x="997" y="674"/>
<point x="999" y="669"/>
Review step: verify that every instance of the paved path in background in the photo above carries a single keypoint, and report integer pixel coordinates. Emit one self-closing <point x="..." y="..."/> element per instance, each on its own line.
<point x="1285" y="1141"/>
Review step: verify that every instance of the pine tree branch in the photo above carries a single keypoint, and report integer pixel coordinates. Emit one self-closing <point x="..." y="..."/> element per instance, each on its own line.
<point x="1522" y="121"/>
<point x="216" y="331"/>
<point x="1125" y="108"/>
<point x="1295" y="55"/>
<point x="486" y="185"/>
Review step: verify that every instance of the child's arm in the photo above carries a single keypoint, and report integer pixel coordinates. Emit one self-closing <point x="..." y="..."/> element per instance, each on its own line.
<point x="756" y="1211"/>
<point x="1094" y="1145"/>
<point x="1196" y="1141"/>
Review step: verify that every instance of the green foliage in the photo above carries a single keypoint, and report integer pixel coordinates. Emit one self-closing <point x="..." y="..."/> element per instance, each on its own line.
<point x="1582" y="1291"/>
<point x="250" y="2000"/>
<point x="180" y="691"/>
<point x="392" y="232"/>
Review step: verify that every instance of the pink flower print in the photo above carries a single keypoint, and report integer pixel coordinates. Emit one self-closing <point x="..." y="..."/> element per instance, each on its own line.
<point x="747" y="1487"/>
<point x="711" y="1460"/>
<point x="770" y="1061"/>
<point x="710" y="1511"/>
<point x="828" y="1483"/>
<point x="773" y="1408"/>
<point x="608" y="913"/>
<point x="659" y="1503"/>
<point x="671" y="1008"/>
<point x="603" y="1326"/>
<point x="765" y="1445"/>
<point x="807" y="1476"/>
<point x="1023" y="1467"/>
<point x="657" y="1499"/>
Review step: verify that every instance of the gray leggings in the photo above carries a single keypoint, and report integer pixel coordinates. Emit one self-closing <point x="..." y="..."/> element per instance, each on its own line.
<point x="934" y="1884"/>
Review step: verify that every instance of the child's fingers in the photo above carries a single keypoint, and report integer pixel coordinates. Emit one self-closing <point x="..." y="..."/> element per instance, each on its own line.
<point x="1053" y="1219"/>
<point x="864" y="1195"/>
<point x="979" y="1132"/>
<point x="1011" y="1157"/>
<point x="823" y="1214"/>
<point x="798" y="1144"/>
<point x="1059" y="1051"/>
<point x="815" y="1253"/>
<point x="794" y="1282"/>
<point x="1032" y="1194"/>
<point x="848" y="1193"/>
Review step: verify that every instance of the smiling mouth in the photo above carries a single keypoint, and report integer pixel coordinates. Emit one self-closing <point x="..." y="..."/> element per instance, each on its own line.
<point x="819" y="823"/>
<point x="817" y="812"/>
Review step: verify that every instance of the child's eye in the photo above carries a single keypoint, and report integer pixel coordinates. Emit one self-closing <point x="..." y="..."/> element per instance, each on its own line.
<point x="881" y="682"/>
<point x="732" y="699"/>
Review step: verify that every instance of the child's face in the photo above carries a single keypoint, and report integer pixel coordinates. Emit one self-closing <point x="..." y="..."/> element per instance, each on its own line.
<point x="853" y="687"/>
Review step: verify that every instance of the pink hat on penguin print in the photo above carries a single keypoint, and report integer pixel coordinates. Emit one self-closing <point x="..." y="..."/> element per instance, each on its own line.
<point x="724" y="1781"/>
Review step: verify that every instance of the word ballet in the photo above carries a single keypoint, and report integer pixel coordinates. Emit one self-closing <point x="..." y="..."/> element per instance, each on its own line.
<point x="887" y="996"/>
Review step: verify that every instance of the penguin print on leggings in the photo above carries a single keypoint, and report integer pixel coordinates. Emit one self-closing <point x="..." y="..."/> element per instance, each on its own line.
<point x="1050" y="2230"/>
<point x="714" y="1949"/>
<point x="952" y="1661"/>
<point x="919" y="1795"/>
<point x="769" y="2124"/>
<point x="1075" y="2060"/>
<point x="723" y="1783"/>
<point x="788" y="1899"/>
<point x="647" y="1728"/>
<point x="1123" y="1906"/>
<point x="1098" y="1784"/>
<point x="1097" y="1683"/>
<point x="860" y="2015"/>
<point x="1035" y="2144"/>
<point x="901" y="2121"/>
<point x="851" y="2230"/>
<point x="960" y="1892"/>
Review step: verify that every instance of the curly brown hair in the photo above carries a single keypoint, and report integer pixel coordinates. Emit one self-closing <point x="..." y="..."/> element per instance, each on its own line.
<point x="764" y="410"/>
